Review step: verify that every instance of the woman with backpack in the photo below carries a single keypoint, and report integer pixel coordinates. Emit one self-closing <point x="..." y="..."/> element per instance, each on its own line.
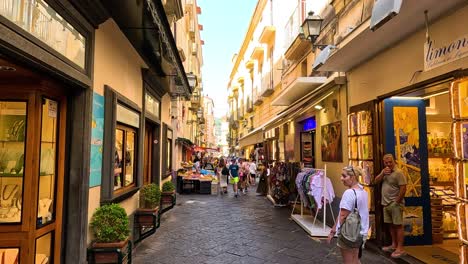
<point x="353" y="220"/>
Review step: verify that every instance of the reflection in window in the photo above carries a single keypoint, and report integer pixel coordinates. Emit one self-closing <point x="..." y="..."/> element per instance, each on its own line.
<point x="124" y="157"/>
<point x="44" y="249"/>
<point x="9" y="255"/>
<point x="47" y="172"/>
<point x="39" y="19"/>
<point x="12" y="137"/>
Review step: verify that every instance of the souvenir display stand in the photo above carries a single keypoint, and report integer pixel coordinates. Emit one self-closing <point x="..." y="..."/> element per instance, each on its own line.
<point x="310" y="223"/>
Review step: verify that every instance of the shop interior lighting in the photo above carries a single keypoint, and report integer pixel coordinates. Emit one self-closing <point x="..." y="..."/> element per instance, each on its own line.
<point x="318" y="107"/>
<point x="435" y="94"/>
<point x="407" y="97"/>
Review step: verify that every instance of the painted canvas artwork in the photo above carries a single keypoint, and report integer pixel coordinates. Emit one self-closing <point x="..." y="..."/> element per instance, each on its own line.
<point x="331" y="145"/>
<point x="407" y="154"/>
<point x="353" y="124"/>
<point x="364" y="122"/>
<point x="365" y="147"/>
<point x="413" y="221"/>
<point x="353" y="147"/>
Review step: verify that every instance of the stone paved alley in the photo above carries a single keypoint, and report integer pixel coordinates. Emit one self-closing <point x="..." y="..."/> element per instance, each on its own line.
<point x="223" y="229"/>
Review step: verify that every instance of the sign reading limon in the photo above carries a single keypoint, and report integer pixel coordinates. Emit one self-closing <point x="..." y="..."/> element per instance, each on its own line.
<point x="435" y="56"/>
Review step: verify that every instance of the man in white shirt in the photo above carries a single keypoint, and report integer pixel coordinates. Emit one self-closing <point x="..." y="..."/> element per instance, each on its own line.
<point x="253" y="172"/>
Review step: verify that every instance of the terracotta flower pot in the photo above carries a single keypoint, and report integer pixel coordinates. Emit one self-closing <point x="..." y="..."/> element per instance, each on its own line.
<point x="144" y="216"/>
<point x="167" y="197"/>
<point x="109" y="257"/>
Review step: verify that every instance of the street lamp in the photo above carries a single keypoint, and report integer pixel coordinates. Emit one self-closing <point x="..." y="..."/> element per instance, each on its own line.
<point x="192" y="79"/>
<point x="312" y="27"/>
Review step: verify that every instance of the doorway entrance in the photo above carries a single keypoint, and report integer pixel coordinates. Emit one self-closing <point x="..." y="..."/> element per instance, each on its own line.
<point x="151" y="153"/>
<point x="32" y="164"/>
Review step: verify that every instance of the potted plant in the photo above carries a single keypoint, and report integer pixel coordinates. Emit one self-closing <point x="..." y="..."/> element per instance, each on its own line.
<point x="109" y="224"/>
<point x="168" y="195"/>
<point x="150" y="199"/>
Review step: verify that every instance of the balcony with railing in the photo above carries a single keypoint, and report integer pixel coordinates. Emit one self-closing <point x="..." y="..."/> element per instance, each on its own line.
<point x="267" y="85"/>
<point x="248" y="105"/>
<point x="257" y="98"/>
<point x="294" y="42"/>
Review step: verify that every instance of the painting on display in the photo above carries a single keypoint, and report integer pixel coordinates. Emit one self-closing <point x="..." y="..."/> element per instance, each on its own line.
<point x="365" y="147"/>
<point x="365" y="122"/>
<point x="353" y="124"/>
<point x="459" y="98"/>
<point x="413" y="221"/>
<point x="407" y="148"/>
<point x="331" y="145"/>
<point x="460" y="130"/>
<point x="353" y="147"/>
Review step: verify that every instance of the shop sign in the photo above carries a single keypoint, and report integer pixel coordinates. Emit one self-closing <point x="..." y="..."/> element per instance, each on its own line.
<point x="309" y="124"/>
<point x="435" y="56"/>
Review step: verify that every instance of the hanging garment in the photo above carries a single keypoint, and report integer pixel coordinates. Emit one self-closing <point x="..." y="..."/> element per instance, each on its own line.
<point x="317" y="183"/>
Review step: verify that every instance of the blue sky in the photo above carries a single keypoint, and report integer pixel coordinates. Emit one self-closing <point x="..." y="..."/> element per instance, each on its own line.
<point x="224" y="23"/>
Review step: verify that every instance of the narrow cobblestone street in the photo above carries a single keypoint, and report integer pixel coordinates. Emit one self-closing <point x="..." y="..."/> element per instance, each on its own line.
<point x="223" y="229"/>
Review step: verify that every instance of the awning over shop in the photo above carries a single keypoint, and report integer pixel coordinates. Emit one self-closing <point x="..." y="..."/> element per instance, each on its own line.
<point x="185" y="142"/>
<point x="254" y="137"/>
<point x="308" y="101"/>
<point x="198" y="148"/>
<point x="362" y="44"/>
<point x="297" y="89"/>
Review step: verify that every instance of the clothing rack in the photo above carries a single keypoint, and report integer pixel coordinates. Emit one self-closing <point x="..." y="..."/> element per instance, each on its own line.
<point x="315" y="228"/>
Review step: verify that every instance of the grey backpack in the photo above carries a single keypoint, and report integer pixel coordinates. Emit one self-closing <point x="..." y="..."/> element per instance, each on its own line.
<point x="350" y="230"/>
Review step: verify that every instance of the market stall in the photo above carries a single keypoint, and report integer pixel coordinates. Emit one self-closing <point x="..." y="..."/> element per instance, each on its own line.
<point x="195" y="180"/>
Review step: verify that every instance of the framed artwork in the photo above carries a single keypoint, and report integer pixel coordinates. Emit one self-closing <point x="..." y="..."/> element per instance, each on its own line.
<point x="353" y="124"/>
<point x="331" y="145"/>
<point x="364" y="122"/>
<point x="460" y="132"/>
<point x="353" y="147"/>
<point x="365" y="147"/>
<point x="459" y="98"/>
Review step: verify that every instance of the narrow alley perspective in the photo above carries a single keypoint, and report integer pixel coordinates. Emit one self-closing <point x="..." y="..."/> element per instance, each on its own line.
<point x="222" y="229"/>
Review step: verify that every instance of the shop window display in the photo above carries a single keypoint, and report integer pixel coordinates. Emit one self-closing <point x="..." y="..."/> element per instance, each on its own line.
<point x="124" y="157"/>
<point x="9" y="255"/>
<point x="44" y="249"/>
<point x="12" y="145"/>
<point x="47" y="171"/>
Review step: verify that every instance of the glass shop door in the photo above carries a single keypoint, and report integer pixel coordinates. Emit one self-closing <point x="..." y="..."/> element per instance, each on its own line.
<point x="32" y="154"/>
<point x="405" y="136"/>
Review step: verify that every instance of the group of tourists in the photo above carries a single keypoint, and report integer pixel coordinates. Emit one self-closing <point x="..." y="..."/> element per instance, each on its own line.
<point x="242" y="174"/>
<point x="353" y="220"/>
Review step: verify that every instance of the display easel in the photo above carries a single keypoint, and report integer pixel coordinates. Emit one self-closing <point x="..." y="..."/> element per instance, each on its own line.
<point x="310" y="223"/>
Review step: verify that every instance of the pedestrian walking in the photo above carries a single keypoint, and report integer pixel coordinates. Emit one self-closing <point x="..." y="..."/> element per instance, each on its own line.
<point x="246" y="172"/>
<point x="353" y="219"/>
<point x="393" y="193"/>
<point x="234" y="176"/>
<point x="253" y="172"/>
<point x="262" y="187"/>
<point x="223" y="173"/>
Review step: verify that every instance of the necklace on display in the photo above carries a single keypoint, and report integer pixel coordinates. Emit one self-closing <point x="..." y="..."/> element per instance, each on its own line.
<point x="12" y="191"/>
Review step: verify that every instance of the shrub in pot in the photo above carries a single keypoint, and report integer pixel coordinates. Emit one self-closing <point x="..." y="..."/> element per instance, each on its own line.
<point x="168" y="193"/>
<point x="150" y="198"/>
<point x="168" y="187"/>
<point x="110" y="227"/>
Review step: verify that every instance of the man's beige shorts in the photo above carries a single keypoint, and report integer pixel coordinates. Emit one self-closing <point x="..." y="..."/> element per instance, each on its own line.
<point x="393" y="214"/>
